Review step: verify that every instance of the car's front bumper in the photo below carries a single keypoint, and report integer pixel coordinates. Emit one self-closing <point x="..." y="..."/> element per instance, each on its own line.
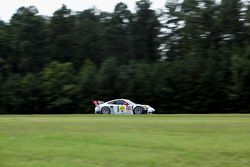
<point x="151" y="111"/>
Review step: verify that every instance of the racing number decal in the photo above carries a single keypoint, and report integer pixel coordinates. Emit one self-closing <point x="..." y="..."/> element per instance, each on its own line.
<point x="122" y="108"/>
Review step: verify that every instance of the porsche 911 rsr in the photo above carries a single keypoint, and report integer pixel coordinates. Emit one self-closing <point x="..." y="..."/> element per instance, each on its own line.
<point x="121" y="106"/>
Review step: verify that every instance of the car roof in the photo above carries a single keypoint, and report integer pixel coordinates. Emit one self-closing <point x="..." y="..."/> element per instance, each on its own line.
<point x="117" y="99"/>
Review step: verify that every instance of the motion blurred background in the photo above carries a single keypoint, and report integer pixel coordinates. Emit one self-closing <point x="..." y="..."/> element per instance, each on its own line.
<point x="192" y="56"/>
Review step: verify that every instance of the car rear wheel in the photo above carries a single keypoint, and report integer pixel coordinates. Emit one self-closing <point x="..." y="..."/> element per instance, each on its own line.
<point x="138" y="110"/>
<point x="105" y="110"/>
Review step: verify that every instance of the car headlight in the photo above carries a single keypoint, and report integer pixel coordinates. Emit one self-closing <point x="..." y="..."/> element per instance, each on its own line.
<point x="98" y="108"/>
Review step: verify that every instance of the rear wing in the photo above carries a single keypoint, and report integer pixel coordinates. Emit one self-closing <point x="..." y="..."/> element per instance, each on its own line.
<point x="97" y="102"/>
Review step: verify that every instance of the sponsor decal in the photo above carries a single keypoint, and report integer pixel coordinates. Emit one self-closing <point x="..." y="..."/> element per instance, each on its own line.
<point x="129" y="108"/>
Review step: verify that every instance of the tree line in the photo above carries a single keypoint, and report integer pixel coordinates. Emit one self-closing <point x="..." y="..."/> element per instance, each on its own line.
<point x="188" y="57"/>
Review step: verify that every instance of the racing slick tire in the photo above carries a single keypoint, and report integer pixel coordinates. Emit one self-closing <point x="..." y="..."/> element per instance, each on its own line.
<point x="138" y="110"/>
<point x="105" y="110"/>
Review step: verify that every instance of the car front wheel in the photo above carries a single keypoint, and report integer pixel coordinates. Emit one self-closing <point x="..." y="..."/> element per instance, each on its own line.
<point x="138" y="110"/>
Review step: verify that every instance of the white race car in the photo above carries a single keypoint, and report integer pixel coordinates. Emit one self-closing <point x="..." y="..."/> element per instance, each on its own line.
<point x="121" y="106"/>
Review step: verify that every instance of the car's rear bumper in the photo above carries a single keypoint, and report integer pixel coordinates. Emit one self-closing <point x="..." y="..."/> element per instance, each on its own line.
<point x="98" y="110"/>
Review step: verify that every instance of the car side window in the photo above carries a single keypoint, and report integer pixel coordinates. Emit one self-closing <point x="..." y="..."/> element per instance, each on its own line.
<point x="113" y="102"/>
<point x="121" y="102"/>
<point x="118" y="102"/>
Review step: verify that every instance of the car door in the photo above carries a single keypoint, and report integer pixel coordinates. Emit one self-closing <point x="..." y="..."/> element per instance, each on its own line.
<point x="114" y="107"/>
<point x="124" y="107"/>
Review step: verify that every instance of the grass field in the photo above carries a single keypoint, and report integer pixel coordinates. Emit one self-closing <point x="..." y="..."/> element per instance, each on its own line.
<point x="119" y="141"/>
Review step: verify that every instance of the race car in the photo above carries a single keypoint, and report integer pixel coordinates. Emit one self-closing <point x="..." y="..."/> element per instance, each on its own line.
<point x="121" y="106"/>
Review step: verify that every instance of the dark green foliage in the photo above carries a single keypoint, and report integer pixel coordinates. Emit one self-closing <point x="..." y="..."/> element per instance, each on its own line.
<point x="27" y="40"/>
<point x="60" y="40"/>
<point x="105" y="79"/>
<point x="118" y="35"/>
<point x="192" y="57"/>
<point x="59" y="87"/>
<point x="87" y="85"/>
<point x="144" y="30"/>
<point x="10" y="98"/>
<point x="85" y="38"/>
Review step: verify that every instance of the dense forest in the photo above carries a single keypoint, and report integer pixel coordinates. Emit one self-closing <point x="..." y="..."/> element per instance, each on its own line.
<point x="189" y="57"/>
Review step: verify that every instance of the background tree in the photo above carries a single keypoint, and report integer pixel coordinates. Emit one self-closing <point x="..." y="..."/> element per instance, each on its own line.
<point x="87" y="86"/>
<point x="27" y="31"/>
<point x="192" y="57"/>
<point x="106" y="77"/>
<point x="117" y="34"/>
<point x="144" y="31"/>
<point x="60" y="39"/>
<point x="58" y="87"/>
<point x="10" y="97"/>
<point x="5" y="49"/>
<point x="86" y="37"/>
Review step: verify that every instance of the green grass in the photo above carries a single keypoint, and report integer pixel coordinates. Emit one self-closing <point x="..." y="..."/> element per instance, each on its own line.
<point x="119" y="141"/>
